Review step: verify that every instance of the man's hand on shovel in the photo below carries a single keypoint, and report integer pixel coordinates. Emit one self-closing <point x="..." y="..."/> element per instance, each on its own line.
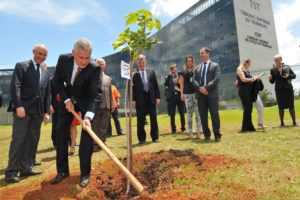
<point x="86" y="123"/>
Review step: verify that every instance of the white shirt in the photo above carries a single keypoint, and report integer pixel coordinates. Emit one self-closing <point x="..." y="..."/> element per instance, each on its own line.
<point x="75" y="68"/>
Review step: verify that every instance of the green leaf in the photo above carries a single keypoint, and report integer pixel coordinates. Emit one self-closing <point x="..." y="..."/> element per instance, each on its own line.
<point x="125" y="49"/>
<point x="150" y="25"/>
<point x="144" y="13"/>
<point x="157" y="24"/>
<point x="131" y="20"/>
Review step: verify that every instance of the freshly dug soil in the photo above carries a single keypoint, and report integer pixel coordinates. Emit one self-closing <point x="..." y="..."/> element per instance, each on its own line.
<point x="167" y="174"/>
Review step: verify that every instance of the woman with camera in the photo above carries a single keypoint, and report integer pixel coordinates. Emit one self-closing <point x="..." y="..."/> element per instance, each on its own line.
<point x="282" y="76"/>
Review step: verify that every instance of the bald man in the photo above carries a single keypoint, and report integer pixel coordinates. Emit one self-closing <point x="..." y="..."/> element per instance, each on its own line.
<point x="30" y="102"/>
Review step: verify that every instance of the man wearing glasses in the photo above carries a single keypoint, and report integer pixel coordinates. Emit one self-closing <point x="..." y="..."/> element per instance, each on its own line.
<point x="30" y="102"/>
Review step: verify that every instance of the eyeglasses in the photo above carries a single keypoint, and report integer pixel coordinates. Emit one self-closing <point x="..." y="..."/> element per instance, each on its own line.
<point x="172" y="67"/>
<point x="42" y="54"/>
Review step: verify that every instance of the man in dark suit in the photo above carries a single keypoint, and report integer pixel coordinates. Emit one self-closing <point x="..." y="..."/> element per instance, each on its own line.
<point x="205" y="81"/>
<point x="145" y="97"/>
<point x="173" y="96"/>
<point x="77" y="81"/>
<point x="30" y="102"/>
<point x="56" y="106"/>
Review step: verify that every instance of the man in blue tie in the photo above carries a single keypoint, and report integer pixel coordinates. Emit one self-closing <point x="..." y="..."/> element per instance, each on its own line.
<point x="145" y="98"/>
<point x="205" y="81"/>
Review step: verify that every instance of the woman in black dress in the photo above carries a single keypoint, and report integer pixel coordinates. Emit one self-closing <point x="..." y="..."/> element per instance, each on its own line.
<point x="282" y="76"/>
<point x="245" y="81"/>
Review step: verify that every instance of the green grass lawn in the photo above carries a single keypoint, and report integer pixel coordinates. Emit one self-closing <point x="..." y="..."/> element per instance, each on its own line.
<point x="270" y="157"/>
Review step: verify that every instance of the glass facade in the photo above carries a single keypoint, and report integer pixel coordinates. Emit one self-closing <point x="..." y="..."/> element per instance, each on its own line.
<point x="217" y="24"/>
<point x="209" y="23"/>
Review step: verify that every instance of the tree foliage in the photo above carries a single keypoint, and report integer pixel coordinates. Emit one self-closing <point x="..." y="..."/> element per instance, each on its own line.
<point x="266" y="99"/>
<point x="137" y="41"/>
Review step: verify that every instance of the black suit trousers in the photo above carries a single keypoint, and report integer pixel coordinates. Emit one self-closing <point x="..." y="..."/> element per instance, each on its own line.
<point x="141" y="111"/>
<point x="62" y="130"/>
<point x="211" y="104"/>
<point x="172" y="103"/>
<point x="25" y="138"/>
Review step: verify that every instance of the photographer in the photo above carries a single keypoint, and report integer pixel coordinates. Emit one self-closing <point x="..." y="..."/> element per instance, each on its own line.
<point x="172" y="93"/>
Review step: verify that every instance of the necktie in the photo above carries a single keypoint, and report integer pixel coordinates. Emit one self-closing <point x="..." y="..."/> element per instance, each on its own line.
<point x="202" y="83"/>
<point x="144" y="81"/>
<point x="76" y="74"/>
<point x="37" y="72"/>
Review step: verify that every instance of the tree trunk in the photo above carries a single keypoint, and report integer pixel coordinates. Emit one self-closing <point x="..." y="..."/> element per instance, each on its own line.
<point x="129" y="135"/>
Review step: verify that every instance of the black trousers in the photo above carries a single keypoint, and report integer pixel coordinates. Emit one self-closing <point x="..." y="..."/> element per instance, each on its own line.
<point x="211" y="104"/>
<point x="54" y="122"/>
<point x="53" y="134"/>
<point x="62" y="129"/>
<point x="115" y="116"/>
<point x="172" y="103"/>
<point x="246" y="98"/>
<point x="141" y="112"/>
<point x="23" y="146"/>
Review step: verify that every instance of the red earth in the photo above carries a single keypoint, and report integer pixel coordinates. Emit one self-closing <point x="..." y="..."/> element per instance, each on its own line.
<point x="172" y="174"/>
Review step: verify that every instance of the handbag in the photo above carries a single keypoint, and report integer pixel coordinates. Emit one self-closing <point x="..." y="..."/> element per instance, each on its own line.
<point x="236" y="84"/>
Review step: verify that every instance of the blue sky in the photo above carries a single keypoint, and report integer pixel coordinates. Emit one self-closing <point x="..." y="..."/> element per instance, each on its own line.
<point x="58" y="23"/>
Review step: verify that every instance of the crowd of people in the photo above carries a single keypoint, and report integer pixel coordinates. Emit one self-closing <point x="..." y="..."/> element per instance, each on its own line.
<point x="80" y="85"/>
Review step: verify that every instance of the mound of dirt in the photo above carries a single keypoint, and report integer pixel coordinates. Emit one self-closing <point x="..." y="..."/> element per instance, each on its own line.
<point x="156" y="171"/>
<point x="167" y="174"/>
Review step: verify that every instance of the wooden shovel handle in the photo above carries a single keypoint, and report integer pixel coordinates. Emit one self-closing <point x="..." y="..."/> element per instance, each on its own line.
<point x="138" y="186"/>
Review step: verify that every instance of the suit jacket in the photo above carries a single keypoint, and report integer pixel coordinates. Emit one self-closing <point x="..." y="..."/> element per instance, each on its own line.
<point x="26" y="90"/>
<point x="212" y="80"/>
<point x="56" y="101"/>
<point x="138" y="87"/>
<point x="257" y="86"/>
<point x="280" y="82"/>
<point x="86" y="89"/>
<point x="107" y="100"/>
<point x="169" y="87"/>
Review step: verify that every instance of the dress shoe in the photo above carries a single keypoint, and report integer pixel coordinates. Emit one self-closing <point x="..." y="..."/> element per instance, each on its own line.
<point x="96" y="148"/>
<point x="218" y="139"/>
<point x="30" y="173"/>
<point x="121" y="134"/>
<point x="85" y="180"/>
<point x="262" y="126"/>
<point x="71" y="152"/>
<point x="207" y="139"/>
<point x="156" y="141"/>
<point x="60" y="176"/>
<point x="12" y="179"/>
<point x="37" y="164"/>
<point x="141" y="142"/>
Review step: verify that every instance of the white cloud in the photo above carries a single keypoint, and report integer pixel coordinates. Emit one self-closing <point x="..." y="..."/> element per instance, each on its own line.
<point x="286" y="16"/>
<point x="170" y="7"/>
<point x="55" y="12"/>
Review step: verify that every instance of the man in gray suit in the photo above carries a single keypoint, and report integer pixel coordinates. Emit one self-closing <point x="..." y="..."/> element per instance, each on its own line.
<point x="205" y="81"/>
<point x="30" y="102"/>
